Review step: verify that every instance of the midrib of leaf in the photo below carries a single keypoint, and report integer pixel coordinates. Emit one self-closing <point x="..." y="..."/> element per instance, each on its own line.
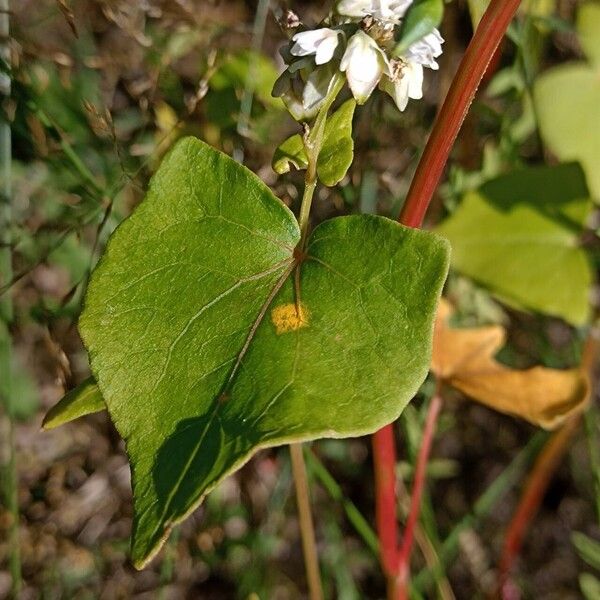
<point x="221" y="396"/>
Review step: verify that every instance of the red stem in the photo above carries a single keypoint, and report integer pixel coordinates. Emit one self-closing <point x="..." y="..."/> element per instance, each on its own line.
<point x="533" y="494"/>
<point x="384" y="458"/>
<point x="403" y="569"/>
<point x="472" y="68"/>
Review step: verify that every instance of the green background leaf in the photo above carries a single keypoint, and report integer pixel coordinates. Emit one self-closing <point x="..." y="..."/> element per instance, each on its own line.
<point x="85" y="399"/>
<point x="590" y="586"/>
<point x="195" y="341"/>
<point x="518" y="235"/>
<point x="567" y="98"/>
<point x="588" y="28"/>
<point x="588" y="549"/>
<point x="420" y="20"/>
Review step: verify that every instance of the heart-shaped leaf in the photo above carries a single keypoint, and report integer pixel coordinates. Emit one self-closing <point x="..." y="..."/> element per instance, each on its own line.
<point x="336" y="154"/>
<point x="519" y="234"/>
<point x="210" y="337"/>
<point x="567" y="98"/>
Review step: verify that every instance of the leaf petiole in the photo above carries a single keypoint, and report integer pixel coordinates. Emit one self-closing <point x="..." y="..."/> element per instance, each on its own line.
<point x="313" y="142"/>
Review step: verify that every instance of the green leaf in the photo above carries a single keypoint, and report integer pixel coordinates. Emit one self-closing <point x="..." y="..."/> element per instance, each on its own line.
<point x="567" y="98"/>
<point x="336" y="154"/>
<point x="477" y="8"/>
<point x="19" y="395"/>
<point x="590" y="586"/>
<point x="290" y="153"/>
<point x="588" y="549"/>
<point x="205" y="354"/>
<point x="85" y="399"/>
<point x="421" y="19"/>
<point x="518" y="235"/>
<point x="588" y="28"/>
<point x="237" y="69"/>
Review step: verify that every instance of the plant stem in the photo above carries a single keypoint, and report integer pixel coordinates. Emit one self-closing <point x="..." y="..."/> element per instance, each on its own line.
<point x="309" y="545"/>
<point x="310" y="185"/>
<point x="403" y="567"/>
<point x="472" y="68"/>
<point x="358" y="521"/>
<point x="8" y="467"/>
<point x="80" y="167"/>
<point x="313" y="142"/>
<point x="384" y="462"/>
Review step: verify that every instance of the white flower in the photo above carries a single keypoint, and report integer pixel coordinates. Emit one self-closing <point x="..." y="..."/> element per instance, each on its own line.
<point x="406" y="81"/>
<point x="320" y="42"/>
<point x="426" y="50"/>
<point x="364" y="62"/>
<point x="382" y="10"/>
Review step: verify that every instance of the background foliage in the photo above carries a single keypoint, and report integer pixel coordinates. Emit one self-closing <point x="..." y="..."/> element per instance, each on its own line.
<point x="100" y="91"/>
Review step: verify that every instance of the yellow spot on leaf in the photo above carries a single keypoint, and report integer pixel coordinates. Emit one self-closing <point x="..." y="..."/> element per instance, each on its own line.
<point x="289" y="317"/>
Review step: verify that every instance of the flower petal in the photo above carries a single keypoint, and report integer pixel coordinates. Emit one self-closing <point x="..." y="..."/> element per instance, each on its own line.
<point x="326" y="50"/>
<point x="398" y="90"/>
<point x="413" y="73"/>
<point x="364" y="63"/>
<point x="321" y="42"/>
<point x="354" y="8"/>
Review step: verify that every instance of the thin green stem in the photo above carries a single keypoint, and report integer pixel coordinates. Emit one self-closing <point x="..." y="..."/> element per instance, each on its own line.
<point x="310" y="186"/>
<point x="313" y="142"/>
<point x="8" y="466"/>
<point x="69" y="152"/>
<point x="357" y="520"/>
<point x="309" y="545"/>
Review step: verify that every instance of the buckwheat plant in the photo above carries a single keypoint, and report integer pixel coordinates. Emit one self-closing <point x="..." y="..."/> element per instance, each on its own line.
<point x="218" y="323"/>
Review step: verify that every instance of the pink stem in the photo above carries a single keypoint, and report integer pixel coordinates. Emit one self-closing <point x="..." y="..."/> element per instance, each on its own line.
<point x="429" y="171"/>
<point x="403" y="568"/>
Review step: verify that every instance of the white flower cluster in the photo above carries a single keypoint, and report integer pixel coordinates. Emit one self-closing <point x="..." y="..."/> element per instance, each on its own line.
<point x="359" y="42"/>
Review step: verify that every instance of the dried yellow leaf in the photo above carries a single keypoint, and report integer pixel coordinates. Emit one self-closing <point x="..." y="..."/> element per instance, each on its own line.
<point x="464" y="359"/>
